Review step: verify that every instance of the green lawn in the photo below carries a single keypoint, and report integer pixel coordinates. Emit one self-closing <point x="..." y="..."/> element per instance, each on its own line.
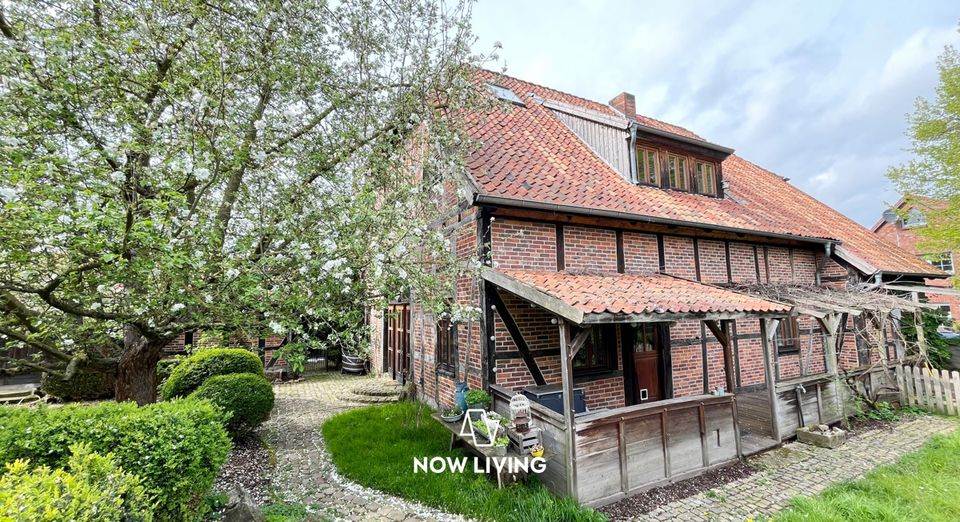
<point x="376" y="446"/>
<point x="922" y="486"/>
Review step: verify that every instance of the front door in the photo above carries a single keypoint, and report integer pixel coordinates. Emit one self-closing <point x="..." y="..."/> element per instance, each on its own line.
<point x="397" y="340"/>
<point x="644" y="348"/>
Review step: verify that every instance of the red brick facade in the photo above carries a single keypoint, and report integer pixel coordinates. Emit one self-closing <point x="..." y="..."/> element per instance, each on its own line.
<point x="696" y="358"/>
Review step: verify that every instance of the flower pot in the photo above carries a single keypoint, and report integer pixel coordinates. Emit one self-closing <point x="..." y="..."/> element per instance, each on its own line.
<point x="352" y="363"/>
<point x="536" y="453"/>
<point x="452" y="418"/>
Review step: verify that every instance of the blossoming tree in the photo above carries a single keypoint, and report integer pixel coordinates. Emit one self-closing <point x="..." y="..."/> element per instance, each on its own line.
<point x="219" y="165"/>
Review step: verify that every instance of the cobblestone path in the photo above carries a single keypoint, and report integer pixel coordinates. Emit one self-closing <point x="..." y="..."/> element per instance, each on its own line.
<point x="304" y="472"/>
<point x="800" y="469"/>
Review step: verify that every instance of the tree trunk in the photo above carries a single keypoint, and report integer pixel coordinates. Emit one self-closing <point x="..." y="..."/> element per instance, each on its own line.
<point x="137" y="370"/>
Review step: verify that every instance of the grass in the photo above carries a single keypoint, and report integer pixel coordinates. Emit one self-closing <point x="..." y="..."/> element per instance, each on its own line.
<point x="376" y="446"/>
<point x="921" y="486"/>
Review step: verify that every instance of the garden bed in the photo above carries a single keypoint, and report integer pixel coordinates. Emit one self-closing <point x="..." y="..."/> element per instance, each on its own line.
<point x="376" y="447"/>
<point x="247" y="466"/>
<point x="651" y="499"/>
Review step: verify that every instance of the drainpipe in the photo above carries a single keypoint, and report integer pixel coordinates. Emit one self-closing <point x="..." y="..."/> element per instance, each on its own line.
<point x="827" y="252"/>
<point x="632" y="153"/>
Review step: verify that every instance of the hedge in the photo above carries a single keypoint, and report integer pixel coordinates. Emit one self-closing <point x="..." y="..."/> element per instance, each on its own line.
<point x="176" y="448"/>
<point x="165" y="368"/>
<point x="191" y="373"/>
<point x="247" y="397"/>
<point x="91" y="488"/>
<point x="83" y="386"/>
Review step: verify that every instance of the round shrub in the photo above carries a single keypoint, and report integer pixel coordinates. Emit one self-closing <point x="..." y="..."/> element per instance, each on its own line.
<point x="165" y="368"/>
<point x="91" y="488"/>
<point x="190" y="374"/>
<point x="83" y="386"/>
<point x="246" y="397"/>
<point x="176" y="447"/>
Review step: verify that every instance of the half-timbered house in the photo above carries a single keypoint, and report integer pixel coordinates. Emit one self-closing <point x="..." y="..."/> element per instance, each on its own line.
<point x="668" y="305"/>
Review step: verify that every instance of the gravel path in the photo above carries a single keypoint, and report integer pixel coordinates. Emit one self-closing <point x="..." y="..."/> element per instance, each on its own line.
<point x="304" y="472"/>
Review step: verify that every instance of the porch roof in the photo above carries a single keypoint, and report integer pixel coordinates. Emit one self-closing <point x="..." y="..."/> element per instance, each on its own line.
<point x="589" y="298"/>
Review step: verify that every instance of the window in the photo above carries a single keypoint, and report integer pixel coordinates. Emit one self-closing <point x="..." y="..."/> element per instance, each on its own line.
<point x="706" y="178"/>
<point x="647" y="164"/>
<point x="914" y="218"/>
<point x="645" y="338"/>
<point x="676" y="172"/>
<point x="943" y="261"/>
<point x="787" y="337"/>
<point x="504" y="94"/>
<point x="446" y="343"/>
<point x="598" y="354"/>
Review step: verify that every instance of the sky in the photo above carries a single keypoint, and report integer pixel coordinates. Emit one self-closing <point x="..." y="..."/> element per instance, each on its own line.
<point x="815" y="91"/>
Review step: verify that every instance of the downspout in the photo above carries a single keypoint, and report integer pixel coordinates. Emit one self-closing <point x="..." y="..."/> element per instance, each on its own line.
<point x="827" y="253"/>
<point x="632" y="152"/>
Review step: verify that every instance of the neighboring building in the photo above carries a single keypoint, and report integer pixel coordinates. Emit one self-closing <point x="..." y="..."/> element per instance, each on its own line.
<point x="646" y="268"/>
<point x="909" y="215"/>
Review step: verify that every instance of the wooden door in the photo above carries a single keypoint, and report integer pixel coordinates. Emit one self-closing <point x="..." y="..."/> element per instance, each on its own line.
<point x="647" y="348"/>
<point x="397" y="340"/>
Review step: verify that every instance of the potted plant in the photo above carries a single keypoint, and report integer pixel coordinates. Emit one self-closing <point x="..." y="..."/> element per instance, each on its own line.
<point x="536" y="450"/>
<point x="480" y="428"/>
<point x="477" y="400"/>
<point x="453" y="414"/>
<point x="500" y="446"/>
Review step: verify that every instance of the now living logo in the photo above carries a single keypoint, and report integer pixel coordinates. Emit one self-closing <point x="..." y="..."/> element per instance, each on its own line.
<point x="484" y="465"/>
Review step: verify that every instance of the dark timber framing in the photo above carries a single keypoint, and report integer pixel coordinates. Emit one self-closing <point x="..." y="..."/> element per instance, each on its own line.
<point x="561" y="262"/>
<point x="517" y="337"/>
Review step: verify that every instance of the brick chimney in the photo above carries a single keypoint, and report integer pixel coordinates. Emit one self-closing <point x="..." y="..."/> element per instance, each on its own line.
<point x="626" y="104"/>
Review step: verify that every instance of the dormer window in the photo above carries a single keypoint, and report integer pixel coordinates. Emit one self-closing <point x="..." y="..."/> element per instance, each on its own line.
<point x="914" y="218"/>
<point x="648" y="166"/>
<point x="677" y="172"/>
<point x="705" y="178"/>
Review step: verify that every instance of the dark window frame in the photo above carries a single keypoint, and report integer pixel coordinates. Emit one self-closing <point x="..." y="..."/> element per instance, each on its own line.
<point x="446" y="345"/>
<point x="697" y="185"/>
<point x="943" y="261"/>
<point x="788" y="337"/>
<point x="608" y="337"/>
<point x="641" y="167"/>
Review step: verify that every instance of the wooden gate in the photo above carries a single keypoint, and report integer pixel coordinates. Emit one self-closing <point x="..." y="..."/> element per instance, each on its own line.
<point x="397" y="341"/>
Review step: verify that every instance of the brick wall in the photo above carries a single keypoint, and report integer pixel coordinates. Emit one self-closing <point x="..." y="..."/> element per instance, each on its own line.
<point x="524" y="245"/>
<point x="640" y="254"/>
<point x="678" y="257"/>
<point x="592" y="249"/>
<point x="713" y="261"/>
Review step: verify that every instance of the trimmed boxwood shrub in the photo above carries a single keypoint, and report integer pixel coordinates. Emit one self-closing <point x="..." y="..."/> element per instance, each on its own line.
<point x="247" y="397"/>
<point x="176" y="447"/>
<point x="91" y="488"/>
<point x="191" y="373"/>
<point x="83" y="386"/>
<point x="165" y="368"/>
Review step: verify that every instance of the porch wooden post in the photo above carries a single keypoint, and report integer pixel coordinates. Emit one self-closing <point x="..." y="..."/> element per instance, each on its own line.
<point x="566" y="369"/>
<point x="831" y="324"/>
<point x="768" y="329"/>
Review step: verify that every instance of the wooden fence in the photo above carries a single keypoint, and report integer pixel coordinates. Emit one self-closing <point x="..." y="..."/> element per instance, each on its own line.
<point x="934" y="390"/>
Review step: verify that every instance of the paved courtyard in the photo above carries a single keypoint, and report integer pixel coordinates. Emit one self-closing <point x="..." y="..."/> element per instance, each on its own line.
<point x="799" y="469"/>
<point x="303" y="470"/>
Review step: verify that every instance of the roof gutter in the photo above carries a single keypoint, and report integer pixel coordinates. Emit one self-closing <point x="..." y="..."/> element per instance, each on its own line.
<point x="483" y="199"/>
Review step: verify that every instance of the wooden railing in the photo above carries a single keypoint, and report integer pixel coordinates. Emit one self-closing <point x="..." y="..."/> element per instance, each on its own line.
<point x="623" y="451"/>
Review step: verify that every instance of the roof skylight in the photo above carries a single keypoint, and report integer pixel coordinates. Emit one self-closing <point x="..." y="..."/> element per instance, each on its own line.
<point x="504" y="93"/>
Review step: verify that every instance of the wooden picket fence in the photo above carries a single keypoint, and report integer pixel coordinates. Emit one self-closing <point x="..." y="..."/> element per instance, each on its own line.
<point x="934" y="390"/>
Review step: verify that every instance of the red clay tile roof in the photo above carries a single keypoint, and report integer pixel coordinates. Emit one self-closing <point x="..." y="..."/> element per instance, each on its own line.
<point x="527" y="153"/>
<point x="641" y="294"/>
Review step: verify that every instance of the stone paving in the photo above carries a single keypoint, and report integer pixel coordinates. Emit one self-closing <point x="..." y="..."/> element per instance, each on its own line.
<point x="304" y="472"/>
<point x="799" y="469"/>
